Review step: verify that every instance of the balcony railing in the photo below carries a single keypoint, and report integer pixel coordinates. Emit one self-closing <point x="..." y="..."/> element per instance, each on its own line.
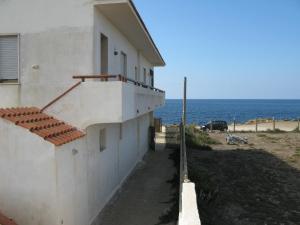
<point x="105" y="78"/>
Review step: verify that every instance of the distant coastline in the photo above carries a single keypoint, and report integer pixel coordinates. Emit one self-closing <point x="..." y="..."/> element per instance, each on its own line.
<point x="200" y="111"/>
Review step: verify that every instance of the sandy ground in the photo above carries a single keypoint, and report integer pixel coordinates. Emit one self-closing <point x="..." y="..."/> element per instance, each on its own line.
<point x="149" y="197"/>
<point x="281" y="125"/>
<point x="253" y="184"/>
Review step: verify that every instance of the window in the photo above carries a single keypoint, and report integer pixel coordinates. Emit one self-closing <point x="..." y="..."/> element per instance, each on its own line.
<point x="9" y="58"/>
<point x="104" y="54"/>
<point x="145" y="75"/>
<point x="121" y="131"/>
<point x="102" y="140"/>
<point x="123" y="64"/>
<point x="151" y="78"/>
<point x="136" y="74"/>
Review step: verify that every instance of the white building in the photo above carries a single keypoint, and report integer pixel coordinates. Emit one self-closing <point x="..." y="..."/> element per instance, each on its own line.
<point x="53" y="173"/>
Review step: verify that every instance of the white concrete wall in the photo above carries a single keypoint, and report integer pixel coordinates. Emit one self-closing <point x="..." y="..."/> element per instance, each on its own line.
<point x="107" y="170"/>
<point x="102" y="167"/>
<point x="55" y="35"/>
<point x="28" y="177"/>
<point x="94" y="102"/>
<point x="188" y="214"/>
<point x="60" y="54"/>
<point x="116" y="41"/>
<point x="88" y="178"/>
<point x="9" y="95"/>
<point x="144" y="63"/>
<point x="61" y="39"/>
<point x="72" y="185"/>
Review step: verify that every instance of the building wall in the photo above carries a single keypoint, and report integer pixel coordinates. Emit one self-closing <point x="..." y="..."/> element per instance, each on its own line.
<point x="56" y="37"/>
<point x="72" y="185"/>
<point x="28" y="177"/>
<point x="59" y="39"/>
<point x="117" y="42"/>
<point x="9" y="95"/>
<point x="145" y="64"/>
<point x="88" y="178"/>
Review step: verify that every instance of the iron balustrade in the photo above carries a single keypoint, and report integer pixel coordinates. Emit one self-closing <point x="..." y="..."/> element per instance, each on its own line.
<point x="122" y="78"/>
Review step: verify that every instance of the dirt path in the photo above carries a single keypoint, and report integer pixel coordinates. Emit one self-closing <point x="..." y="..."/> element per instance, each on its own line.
<point x="246" y="185"/>
<point x="148" y="196"/>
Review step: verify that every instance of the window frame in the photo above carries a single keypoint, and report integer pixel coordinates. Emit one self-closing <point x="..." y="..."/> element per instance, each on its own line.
<point x="102" y="143"/>
<point x="13" y="82"/>
<point x="125" y="65"/>
<point x="145" y="76"/>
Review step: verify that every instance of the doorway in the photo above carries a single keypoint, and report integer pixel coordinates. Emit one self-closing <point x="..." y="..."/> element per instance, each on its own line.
<point x="104" y="54"/>
<point x="123" y="64"/>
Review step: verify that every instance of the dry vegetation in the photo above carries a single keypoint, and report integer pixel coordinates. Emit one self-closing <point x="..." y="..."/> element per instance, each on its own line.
<point x="257" y="183"/>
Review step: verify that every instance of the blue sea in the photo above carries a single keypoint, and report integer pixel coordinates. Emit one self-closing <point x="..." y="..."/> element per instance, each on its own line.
<point x="203" y="111"/>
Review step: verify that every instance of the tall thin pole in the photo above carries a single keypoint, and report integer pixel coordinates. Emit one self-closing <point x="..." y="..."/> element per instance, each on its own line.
<point x="185" y="170"/>
<point x="184" y="102"/>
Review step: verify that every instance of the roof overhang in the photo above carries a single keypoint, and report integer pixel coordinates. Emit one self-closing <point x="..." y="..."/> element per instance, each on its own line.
<point x="124" y="15"/>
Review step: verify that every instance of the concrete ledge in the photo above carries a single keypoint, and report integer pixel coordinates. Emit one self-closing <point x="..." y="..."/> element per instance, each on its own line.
<point x="189" y="214"/>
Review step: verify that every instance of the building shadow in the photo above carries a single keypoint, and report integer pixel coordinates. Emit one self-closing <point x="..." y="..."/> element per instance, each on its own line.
<point x="244" y="187"/>
<point x="171" y="216"/>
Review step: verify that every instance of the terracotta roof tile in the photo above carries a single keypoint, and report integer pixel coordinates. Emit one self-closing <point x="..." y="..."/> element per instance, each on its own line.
<point x="6" y="221"/>
<point x="52" y="130"/>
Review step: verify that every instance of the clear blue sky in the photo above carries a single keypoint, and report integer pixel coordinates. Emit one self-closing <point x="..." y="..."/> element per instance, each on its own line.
<point x="227" y="48"/>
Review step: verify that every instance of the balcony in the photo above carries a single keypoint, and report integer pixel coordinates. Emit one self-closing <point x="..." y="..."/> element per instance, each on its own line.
<point x="105" y="99"/>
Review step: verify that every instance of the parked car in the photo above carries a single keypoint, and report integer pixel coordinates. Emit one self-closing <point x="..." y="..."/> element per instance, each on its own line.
<point x="216" y="125"/>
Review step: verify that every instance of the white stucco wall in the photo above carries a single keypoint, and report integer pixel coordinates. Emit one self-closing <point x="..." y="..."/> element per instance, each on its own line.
<point x="94" y="102"/>
<point x="88" y="178"/>
<point x="9" y="95"/>
<point x="55" y="35"/>
<point x="28" y="177"/>
<point x="62" y="38"/>
<point x="116" y="41"/>
<point x="60" y="54"/>
<point x="144" y="63"/>
<point x="72" y="185"/>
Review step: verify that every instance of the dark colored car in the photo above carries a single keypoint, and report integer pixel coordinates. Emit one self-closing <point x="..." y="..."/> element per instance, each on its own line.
<point x="216" y="125"/>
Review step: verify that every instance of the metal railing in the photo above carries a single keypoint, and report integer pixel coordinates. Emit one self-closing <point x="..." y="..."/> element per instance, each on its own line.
<point x="183" y="156"/>
<point x="60" y="96"/>
<point x="105" y="78"/>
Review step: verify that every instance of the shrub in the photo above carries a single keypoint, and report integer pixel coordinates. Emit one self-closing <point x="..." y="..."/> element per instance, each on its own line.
<point x="196" y="138"/>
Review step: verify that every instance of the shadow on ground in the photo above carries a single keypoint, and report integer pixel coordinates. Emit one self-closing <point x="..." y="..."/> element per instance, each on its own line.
<point x="244" y="187"/>
<point x="171" y="216"/>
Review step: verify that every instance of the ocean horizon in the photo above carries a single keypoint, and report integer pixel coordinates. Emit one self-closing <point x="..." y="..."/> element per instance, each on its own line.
<point x="201" y="111"/>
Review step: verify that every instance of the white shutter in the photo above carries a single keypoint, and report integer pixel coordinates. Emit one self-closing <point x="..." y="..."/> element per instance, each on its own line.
<point x="9" y="57"/>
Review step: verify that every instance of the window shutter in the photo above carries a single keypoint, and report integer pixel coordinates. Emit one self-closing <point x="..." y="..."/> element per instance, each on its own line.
<point x="9" y="57"/>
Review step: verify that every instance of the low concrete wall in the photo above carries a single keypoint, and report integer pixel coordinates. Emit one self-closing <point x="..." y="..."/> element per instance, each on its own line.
<point x="188" y="208"/>
<point x="188" y="215"/>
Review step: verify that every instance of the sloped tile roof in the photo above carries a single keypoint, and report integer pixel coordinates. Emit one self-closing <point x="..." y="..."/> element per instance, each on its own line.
<point x="6" y="221"/>
<point x="52" y="130"/>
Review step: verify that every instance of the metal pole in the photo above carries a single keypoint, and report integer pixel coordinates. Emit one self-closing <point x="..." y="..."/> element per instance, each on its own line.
<point x="256" y="125"/>
<point x="184" y="102"/>
<point x="298" y="124"/>
<point x="274" y="126"/>
<point x="185" y="170"/>
<point x="234" y="125"/>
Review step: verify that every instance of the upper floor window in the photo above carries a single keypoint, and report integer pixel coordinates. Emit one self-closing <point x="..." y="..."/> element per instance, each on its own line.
<point x="123" y="64"/>
<point x="102" y="139"/>
<point x="9" y="58"/>
<point x="136" y="74"/>
<point x="151" y="78"/>
<point x="104" y="54"/>
<point x="145" y="76"/>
